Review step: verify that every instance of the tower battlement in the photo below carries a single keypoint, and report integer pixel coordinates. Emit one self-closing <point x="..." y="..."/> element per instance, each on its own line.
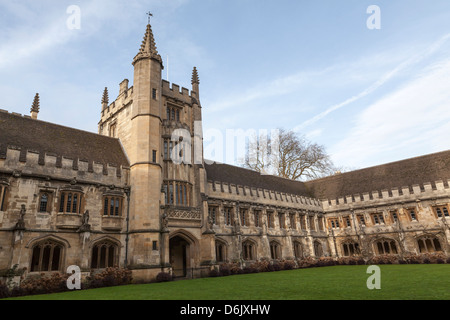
<point x="173" y="91"/>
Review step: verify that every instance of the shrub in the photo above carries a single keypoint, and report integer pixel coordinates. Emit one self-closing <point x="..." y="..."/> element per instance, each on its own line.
<point x="214" y="273"/>
<point x="224" y="270"/>
<point x="384" y="259"/>
<point x="433" y="257"/>
<point x="164" y="277"/>
<point x="275" y="266"/>
<point x="110" y="277"/>
<point x="412" y="259"/>
<point x="288" y="265"/>
<point x="307" y="262"/>
<point x="361" y="262"/>
<point x="351" y="261"/>
<point x="4" y="291"/>
<point x="227" y="269"/>
<point x="261" y="266"/>
<point x="326" y="262"/>
<point x="42" y="284"/>
<point x="250" y="269"/>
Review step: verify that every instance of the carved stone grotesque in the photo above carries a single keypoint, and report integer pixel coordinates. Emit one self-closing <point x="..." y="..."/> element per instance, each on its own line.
<point x="164" y="222"/>
<point x="20" y="225"/>
<point x="85" y="226"/>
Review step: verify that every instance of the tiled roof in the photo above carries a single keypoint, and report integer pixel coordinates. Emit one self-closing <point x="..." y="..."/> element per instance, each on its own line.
<point x="414" y="171"/>
<point x="44" y="137"/>
<point x="245" y="177"/>
<point x="406" y="173"/>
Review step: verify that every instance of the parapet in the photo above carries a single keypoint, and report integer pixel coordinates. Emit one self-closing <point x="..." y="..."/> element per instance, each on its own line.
<point x="259" y="196"/>
<point x="174" y="92"/>
<point x="46" y="165"/>
<point x="416" y="192"/>
<point x="124" y="98"/>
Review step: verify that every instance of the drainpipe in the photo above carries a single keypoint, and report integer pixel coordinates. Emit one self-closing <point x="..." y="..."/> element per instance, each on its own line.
<point x="127" y="192"/>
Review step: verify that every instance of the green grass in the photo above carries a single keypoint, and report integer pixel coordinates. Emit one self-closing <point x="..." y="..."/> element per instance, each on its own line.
<point x="400" y="282"/>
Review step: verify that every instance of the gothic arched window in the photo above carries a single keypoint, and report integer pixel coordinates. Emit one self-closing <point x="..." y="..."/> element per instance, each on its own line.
<point x="350" y="249"/>
<point x="47" y="256"/>
<point x="429" y="244"/>
<point x="248" y="250"/>
<point x="386" y="246"/>
<point x="104" y="255"/>
<point x="275" y="250"/>
<point x="318" y="250"/>
<point x="221" y="251"/>
<point x="298" y="252"/>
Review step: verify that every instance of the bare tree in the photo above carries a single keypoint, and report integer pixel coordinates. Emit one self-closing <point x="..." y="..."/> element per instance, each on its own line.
<point x="289" y="156"/>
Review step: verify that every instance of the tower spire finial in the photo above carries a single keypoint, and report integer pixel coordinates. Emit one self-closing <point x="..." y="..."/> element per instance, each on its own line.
<point x="105" y="98"/>
<point x="149" y="16"/>
<point x="195" y="83"/>
<point x="195" y="79"/>
<point x="148" y="46"/>
<point x="35" y="107"/>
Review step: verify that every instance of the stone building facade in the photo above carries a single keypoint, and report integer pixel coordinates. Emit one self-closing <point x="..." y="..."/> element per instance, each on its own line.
<point x="139" y="194"/>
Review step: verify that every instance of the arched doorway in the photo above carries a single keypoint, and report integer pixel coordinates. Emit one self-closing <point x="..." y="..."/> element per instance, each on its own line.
<point x="179" y="256"/>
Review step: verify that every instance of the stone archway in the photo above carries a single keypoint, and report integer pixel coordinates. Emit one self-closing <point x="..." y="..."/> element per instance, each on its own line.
<point x="182" y="254"/>
<point x="179" y="256"/>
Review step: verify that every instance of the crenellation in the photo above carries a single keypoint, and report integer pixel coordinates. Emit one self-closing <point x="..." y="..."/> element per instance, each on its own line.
<point x="83" y="165"/>
<point x="365" y="196"/>
<point x="395" y="192"/>
<point x="427" y="186"/>
<point x="440" y="185"/>
<point x="375" y="195"/>
<point x="416" y="189"/>
<point x="42" y="164"/>
<point x="175" y="88"/>
<point x="384" y="197"/>
<point x="174" y="92"/>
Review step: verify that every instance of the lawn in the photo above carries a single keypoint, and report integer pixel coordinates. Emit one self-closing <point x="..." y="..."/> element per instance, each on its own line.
<point x="404" y="282"/>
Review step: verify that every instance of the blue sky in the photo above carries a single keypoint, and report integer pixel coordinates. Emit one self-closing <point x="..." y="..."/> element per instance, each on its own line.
<point x="369" y="96"/>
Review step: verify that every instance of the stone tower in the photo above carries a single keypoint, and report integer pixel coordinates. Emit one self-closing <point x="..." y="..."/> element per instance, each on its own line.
<point x="144" y="152"/>
<point x="160" y="128"/>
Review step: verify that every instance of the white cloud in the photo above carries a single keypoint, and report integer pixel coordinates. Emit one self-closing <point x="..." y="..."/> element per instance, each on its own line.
<point x="411" y="121"/>
<point x="380" y="82"/>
